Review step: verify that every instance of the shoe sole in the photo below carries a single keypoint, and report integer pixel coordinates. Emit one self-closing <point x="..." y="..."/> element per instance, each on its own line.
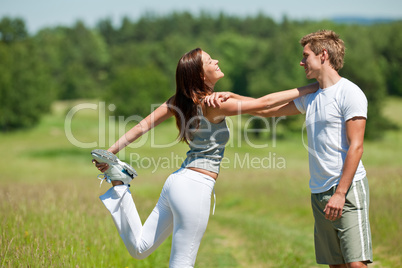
<point x="104" y="156"/>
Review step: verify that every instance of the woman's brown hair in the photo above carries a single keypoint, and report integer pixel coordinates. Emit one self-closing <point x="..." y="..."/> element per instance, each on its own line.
<point x="190" y="90"/>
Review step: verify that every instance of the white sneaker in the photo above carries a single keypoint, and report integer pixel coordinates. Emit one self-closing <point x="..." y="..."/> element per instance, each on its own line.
<point x="117" y="171"/>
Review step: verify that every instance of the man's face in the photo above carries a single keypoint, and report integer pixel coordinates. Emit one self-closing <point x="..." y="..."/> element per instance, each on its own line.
<point x="312" y="63"/>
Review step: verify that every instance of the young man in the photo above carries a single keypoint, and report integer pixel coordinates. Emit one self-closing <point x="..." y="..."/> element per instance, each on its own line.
<point x="335" y="122"/>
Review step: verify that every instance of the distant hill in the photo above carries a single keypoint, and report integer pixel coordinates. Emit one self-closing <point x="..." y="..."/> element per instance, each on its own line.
<point x="361" y="20"/>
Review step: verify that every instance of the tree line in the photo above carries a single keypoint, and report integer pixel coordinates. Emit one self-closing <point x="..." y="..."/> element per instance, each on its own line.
<point x="132" y="65"/>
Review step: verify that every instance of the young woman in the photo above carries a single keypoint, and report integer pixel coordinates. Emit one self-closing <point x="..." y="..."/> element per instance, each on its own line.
<point x="184" y="204"/>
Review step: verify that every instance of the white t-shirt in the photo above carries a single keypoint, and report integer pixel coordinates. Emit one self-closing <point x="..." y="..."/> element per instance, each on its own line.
<point x="326" y="111"/>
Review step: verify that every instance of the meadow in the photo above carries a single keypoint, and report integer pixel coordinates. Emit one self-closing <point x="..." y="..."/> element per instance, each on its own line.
<point x="51" y="216"/>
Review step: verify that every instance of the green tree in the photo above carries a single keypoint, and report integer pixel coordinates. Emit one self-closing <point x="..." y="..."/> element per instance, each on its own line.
<point x="107" y="31"/>
<point x="25" y="91"/>
<point x="237" y="53"/>
<point x="366" y="72"/>
<point x="77" y="58"/>
<point x="256" y="54"/>
<point x="134" y="90"/>
<point x="12" y="30"/>
<point x="390" y="37"/>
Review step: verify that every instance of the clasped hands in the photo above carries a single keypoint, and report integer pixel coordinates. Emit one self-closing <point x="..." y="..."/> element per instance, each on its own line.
<point x="216" y="98"/>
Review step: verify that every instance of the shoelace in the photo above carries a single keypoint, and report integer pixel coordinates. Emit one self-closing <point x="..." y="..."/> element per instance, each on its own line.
<point x="105" y="178"/>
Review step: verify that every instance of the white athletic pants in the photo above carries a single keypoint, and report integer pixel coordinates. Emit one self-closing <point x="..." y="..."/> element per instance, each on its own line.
<point x="183" y="207"/>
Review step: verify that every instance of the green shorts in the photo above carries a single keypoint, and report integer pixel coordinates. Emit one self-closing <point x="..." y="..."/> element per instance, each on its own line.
<point x="347" y="239"/>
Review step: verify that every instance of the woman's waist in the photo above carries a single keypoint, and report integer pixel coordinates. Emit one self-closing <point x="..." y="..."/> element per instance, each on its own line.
<point x="211" y="174"/>
<point x="204" y="165"/>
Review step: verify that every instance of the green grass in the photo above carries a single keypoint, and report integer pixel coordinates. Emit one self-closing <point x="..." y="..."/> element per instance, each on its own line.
<point x="51" y="216"/>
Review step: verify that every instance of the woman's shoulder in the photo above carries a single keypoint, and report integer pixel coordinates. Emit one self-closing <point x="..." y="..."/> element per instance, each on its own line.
<point x="212" y="114"/>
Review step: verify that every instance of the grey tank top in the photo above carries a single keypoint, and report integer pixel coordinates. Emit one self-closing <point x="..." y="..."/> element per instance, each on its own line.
<point x="207" y="144"/>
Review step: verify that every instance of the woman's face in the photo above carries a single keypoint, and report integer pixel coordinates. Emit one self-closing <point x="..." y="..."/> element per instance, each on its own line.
<point x="212" y="73"/>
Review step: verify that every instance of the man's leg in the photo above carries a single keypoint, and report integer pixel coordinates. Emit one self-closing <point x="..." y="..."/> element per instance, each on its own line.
<point x="350" y="265"/>
<point x="338" y="266"/>
<point x="358" y="264"/>
<point x="354" y="227"/>
<point x="326" y="241"/>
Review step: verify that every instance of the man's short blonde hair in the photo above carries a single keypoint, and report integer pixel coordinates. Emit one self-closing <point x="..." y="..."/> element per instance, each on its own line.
<point x="328" y="40"/>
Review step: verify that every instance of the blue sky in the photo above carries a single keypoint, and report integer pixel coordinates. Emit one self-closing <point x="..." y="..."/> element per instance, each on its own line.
<point x="41" y="13"/>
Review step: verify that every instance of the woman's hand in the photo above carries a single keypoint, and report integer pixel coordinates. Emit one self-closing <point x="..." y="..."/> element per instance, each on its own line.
<point x="216" y="98"/>
<point x="102" y="167"/>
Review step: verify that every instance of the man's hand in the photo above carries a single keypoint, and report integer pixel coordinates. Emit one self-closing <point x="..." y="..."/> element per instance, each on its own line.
<point x="216" y="98"/>
<point x="333" y="210"/>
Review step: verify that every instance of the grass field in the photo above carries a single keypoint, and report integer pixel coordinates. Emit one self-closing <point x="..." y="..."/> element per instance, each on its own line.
<point x="50" y="214"/>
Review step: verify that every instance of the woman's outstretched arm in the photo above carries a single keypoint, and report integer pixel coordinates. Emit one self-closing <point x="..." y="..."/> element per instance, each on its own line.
<point x="236" y="104"/>
<point x="152" y="120"/>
